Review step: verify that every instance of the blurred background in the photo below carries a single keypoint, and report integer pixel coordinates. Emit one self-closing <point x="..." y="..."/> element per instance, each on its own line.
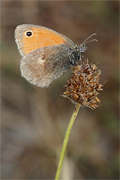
<point x="34" y="120"/>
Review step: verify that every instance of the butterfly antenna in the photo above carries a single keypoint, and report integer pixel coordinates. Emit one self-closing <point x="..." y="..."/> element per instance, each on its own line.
<point x="89" y="38"/>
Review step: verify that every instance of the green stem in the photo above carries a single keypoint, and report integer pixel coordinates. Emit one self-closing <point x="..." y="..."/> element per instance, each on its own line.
<point x="66" y="138"/>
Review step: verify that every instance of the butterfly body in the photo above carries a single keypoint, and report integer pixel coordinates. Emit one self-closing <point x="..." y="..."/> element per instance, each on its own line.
<point x="46" y="54"/>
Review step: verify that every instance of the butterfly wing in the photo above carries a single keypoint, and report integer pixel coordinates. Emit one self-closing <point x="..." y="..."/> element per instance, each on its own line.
<point x="43" y="65"/>
<point x="40" y="37"/>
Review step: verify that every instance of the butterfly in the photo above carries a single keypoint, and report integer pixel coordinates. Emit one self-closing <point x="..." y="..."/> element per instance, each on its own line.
<point x="46" y="54"/>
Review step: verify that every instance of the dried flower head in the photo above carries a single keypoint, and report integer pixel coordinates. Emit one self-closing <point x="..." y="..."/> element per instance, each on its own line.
<point x="84" y="85"/>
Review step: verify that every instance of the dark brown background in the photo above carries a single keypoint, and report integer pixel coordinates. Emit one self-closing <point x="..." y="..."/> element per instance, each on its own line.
<point x="34" y="120"/>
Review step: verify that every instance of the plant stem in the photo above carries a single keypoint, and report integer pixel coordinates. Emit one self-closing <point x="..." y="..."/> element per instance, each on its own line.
<point x="66" y="138"/>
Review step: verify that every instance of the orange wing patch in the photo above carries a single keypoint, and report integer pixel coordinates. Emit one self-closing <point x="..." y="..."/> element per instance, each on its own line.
<point x="41" y="37"/>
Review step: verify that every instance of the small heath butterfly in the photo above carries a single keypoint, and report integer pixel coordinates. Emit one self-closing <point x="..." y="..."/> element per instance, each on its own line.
<point x="46" y="54"/>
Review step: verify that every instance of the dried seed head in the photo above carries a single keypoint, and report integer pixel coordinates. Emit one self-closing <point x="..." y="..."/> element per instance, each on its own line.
<point x="84" y="85"/>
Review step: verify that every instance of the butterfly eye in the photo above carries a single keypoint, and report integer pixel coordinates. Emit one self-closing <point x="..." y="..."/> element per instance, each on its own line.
<point x="29" y="33"/>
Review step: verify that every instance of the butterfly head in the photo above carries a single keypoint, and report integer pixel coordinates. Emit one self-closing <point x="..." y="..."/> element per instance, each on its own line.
<point x="78" y="51"/>
<point x="83" y="46"/>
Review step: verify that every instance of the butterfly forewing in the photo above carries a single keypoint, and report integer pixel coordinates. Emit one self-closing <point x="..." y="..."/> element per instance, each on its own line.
<point x="40" y="37"/>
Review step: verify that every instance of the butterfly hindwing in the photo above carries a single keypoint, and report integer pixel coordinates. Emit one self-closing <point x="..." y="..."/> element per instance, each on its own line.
<point x="42" y="66"/>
